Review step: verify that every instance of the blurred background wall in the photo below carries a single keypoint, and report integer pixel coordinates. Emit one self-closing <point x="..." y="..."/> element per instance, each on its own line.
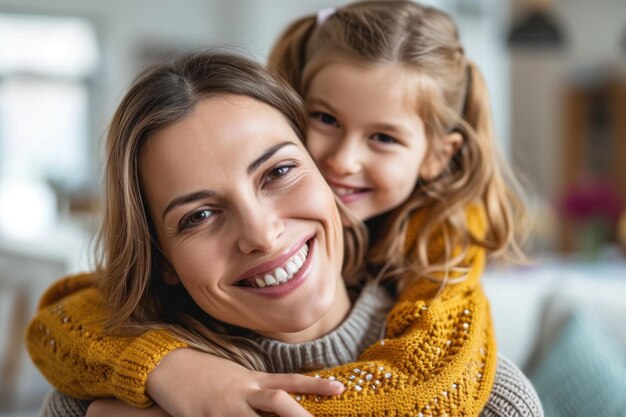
<point x="555" y="70"/>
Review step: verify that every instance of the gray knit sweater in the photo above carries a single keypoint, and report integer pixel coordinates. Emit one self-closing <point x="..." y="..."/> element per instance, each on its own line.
<point x="512" y="394"/>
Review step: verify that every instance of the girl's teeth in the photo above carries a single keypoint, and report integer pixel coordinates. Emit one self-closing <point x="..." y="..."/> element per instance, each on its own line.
<point x="269" y="280"/>
<point x="344" y="191"/>
<point x="298" y="261"/>
<point x="260" y="282"/>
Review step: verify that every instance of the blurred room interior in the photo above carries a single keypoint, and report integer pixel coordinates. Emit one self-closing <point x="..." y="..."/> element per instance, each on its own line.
<point x="556" y="71"/>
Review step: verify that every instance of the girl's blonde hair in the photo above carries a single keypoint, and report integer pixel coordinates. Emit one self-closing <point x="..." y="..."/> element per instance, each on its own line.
<point x="129" y="263"/>
<point x="452" y="97"/>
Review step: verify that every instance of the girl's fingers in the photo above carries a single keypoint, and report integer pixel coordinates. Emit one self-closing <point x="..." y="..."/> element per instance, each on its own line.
<point x="249" y="412"/>
<point x="278" y="402"/>
<point x="302" y="384"/>
<point x="113" y="407"/>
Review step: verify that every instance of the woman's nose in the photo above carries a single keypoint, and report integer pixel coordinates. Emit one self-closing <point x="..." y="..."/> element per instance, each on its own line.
<point x="260" y="230"/>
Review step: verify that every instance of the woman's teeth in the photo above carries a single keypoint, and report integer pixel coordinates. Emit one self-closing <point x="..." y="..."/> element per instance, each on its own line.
<point x="282" y="274"/>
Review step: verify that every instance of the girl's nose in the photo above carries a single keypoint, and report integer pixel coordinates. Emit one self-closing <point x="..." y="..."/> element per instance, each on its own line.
<point x="260" y="231"/>
<point x="345" y="158"/>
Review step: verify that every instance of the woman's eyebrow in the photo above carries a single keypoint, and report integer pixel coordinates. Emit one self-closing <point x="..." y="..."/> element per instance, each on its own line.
<point x="199" y="195"/>
<point x="267" y="155"/>
<point x="187" y="198"/>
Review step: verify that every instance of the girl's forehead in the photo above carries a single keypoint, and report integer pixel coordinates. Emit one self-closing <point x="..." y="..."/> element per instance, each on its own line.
<point x="383" y="84"/>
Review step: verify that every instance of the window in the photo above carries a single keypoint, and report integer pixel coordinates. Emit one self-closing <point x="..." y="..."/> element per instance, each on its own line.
<point x="47" y="68"/>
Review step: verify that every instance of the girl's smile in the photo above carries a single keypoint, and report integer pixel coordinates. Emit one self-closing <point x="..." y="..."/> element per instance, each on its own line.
<point x="366" y="134"/>
<point x="348" y="193"/>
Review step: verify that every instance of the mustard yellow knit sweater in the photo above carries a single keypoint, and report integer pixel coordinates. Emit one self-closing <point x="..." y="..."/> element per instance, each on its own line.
<point x="438" y="356"/>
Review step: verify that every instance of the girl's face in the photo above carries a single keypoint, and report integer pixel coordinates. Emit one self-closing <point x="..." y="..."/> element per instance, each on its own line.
<point x="366" y="135"/>
<point x="245" y="220"/>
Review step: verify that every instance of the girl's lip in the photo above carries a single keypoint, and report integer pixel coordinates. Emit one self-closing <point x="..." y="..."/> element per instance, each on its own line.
<point x="337" y="184"/>
<point x="350" y="198"/>
<point x="288" y="287"/>
<point x="274" y="263"/>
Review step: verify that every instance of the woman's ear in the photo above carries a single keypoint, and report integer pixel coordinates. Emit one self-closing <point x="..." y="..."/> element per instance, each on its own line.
<point x="170" y="278"/>
<point x="437" y="159"/>
<point x="169" y="274"/>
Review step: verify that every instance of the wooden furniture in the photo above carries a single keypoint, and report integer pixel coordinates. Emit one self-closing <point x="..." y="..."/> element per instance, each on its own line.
<point x="594" y="144"/>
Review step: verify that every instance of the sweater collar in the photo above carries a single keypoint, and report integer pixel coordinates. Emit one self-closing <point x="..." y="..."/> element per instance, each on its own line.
<point x="363" y="326"/>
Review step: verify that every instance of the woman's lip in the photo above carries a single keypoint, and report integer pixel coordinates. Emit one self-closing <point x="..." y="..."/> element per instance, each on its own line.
<point x="278" y="291"/>
<point x="274" y="263"/>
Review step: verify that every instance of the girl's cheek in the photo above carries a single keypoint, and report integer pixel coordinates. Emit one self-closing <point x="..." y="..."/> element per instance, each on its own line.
<point x="311" y="198"/>
<point x="319" y="143"/>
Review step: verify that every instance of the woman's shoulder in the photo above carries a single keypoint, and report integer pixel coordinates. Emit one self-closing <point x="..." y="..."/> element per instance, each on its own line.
<point x="512" y="394"/>
<point x="58" y="404"/>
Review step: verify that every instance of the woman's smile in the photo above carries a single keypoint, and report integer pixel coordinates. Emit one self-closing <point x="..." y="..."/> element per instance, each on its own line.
<point x="277" y="271"/>
<point x="284" y="279"/>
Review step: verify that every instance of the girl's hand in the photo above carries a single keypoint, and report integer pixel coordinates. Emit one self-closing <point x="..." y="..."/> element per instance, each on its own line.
<point x="112" y="407"/>
<point x="188" y="383"/>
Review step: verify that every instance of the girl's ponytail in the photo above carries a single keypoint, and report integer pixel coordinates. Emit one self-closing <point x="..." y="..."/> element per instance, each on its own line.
<point x="500" y="198"/>
<point x="288" y="56"/>
<point x="477" y="109"/>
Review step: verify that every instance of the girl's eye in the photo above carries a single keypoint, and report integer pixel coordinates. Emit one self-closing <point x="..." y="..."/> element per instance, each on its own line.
<point x="383" y="138"/>
<point x="196" y="218"/>
<point x="325" y="118"/>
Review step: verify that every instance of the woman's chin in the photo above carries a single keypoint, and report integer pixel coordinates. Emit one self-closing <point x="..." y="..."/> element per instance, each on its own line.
<point x="303" y="326"/>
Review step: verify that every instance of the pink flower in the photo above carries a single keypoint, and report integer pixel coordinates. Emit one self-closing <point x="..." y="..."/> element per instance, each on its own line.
<point x="592" y="199"/>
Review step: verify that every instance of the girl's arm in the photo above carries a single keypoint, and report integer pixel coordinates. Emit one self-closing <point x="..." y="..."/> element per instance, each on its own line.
<point x="66" y="342"/>
<point x="512" y="396"/>
<point x="108" y="407"/>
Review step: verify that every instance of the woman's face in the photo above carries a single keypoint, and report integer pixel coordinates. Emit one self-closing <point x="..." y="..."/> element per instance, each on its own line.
<point x="246" y="220"/>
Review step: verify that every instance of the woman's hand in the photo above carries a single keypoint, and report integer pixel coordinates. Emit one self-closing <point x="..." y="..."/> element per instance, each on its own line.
<point x="188" y="383"/>
<point x="112" y="407"/>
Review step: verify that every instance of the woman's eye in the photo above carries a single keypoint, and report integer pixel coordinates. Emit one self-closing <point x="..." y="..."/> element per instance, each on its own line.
<point x="383" y="138"/>
<point x="278" y="172"/>
<point x="196" y="218"/>
<point x="325" y="118"/>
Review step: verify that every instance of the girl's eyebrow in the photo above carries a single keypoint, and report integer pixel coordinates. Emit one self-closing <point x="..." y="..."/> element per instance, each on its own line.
<point x="323" y="102"/>
<point x="199" y="195"/>
<point x="396" y="129"/>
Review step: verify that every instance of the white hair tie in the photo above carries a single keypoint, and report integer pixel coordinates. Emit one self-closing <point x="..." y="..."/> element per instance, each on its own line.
<point x="324" y="14"/>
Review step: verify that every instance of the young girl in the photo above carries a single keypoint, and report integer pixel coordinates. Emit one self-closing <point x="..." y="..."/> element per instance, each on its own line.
<point x="412" y="153"/>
